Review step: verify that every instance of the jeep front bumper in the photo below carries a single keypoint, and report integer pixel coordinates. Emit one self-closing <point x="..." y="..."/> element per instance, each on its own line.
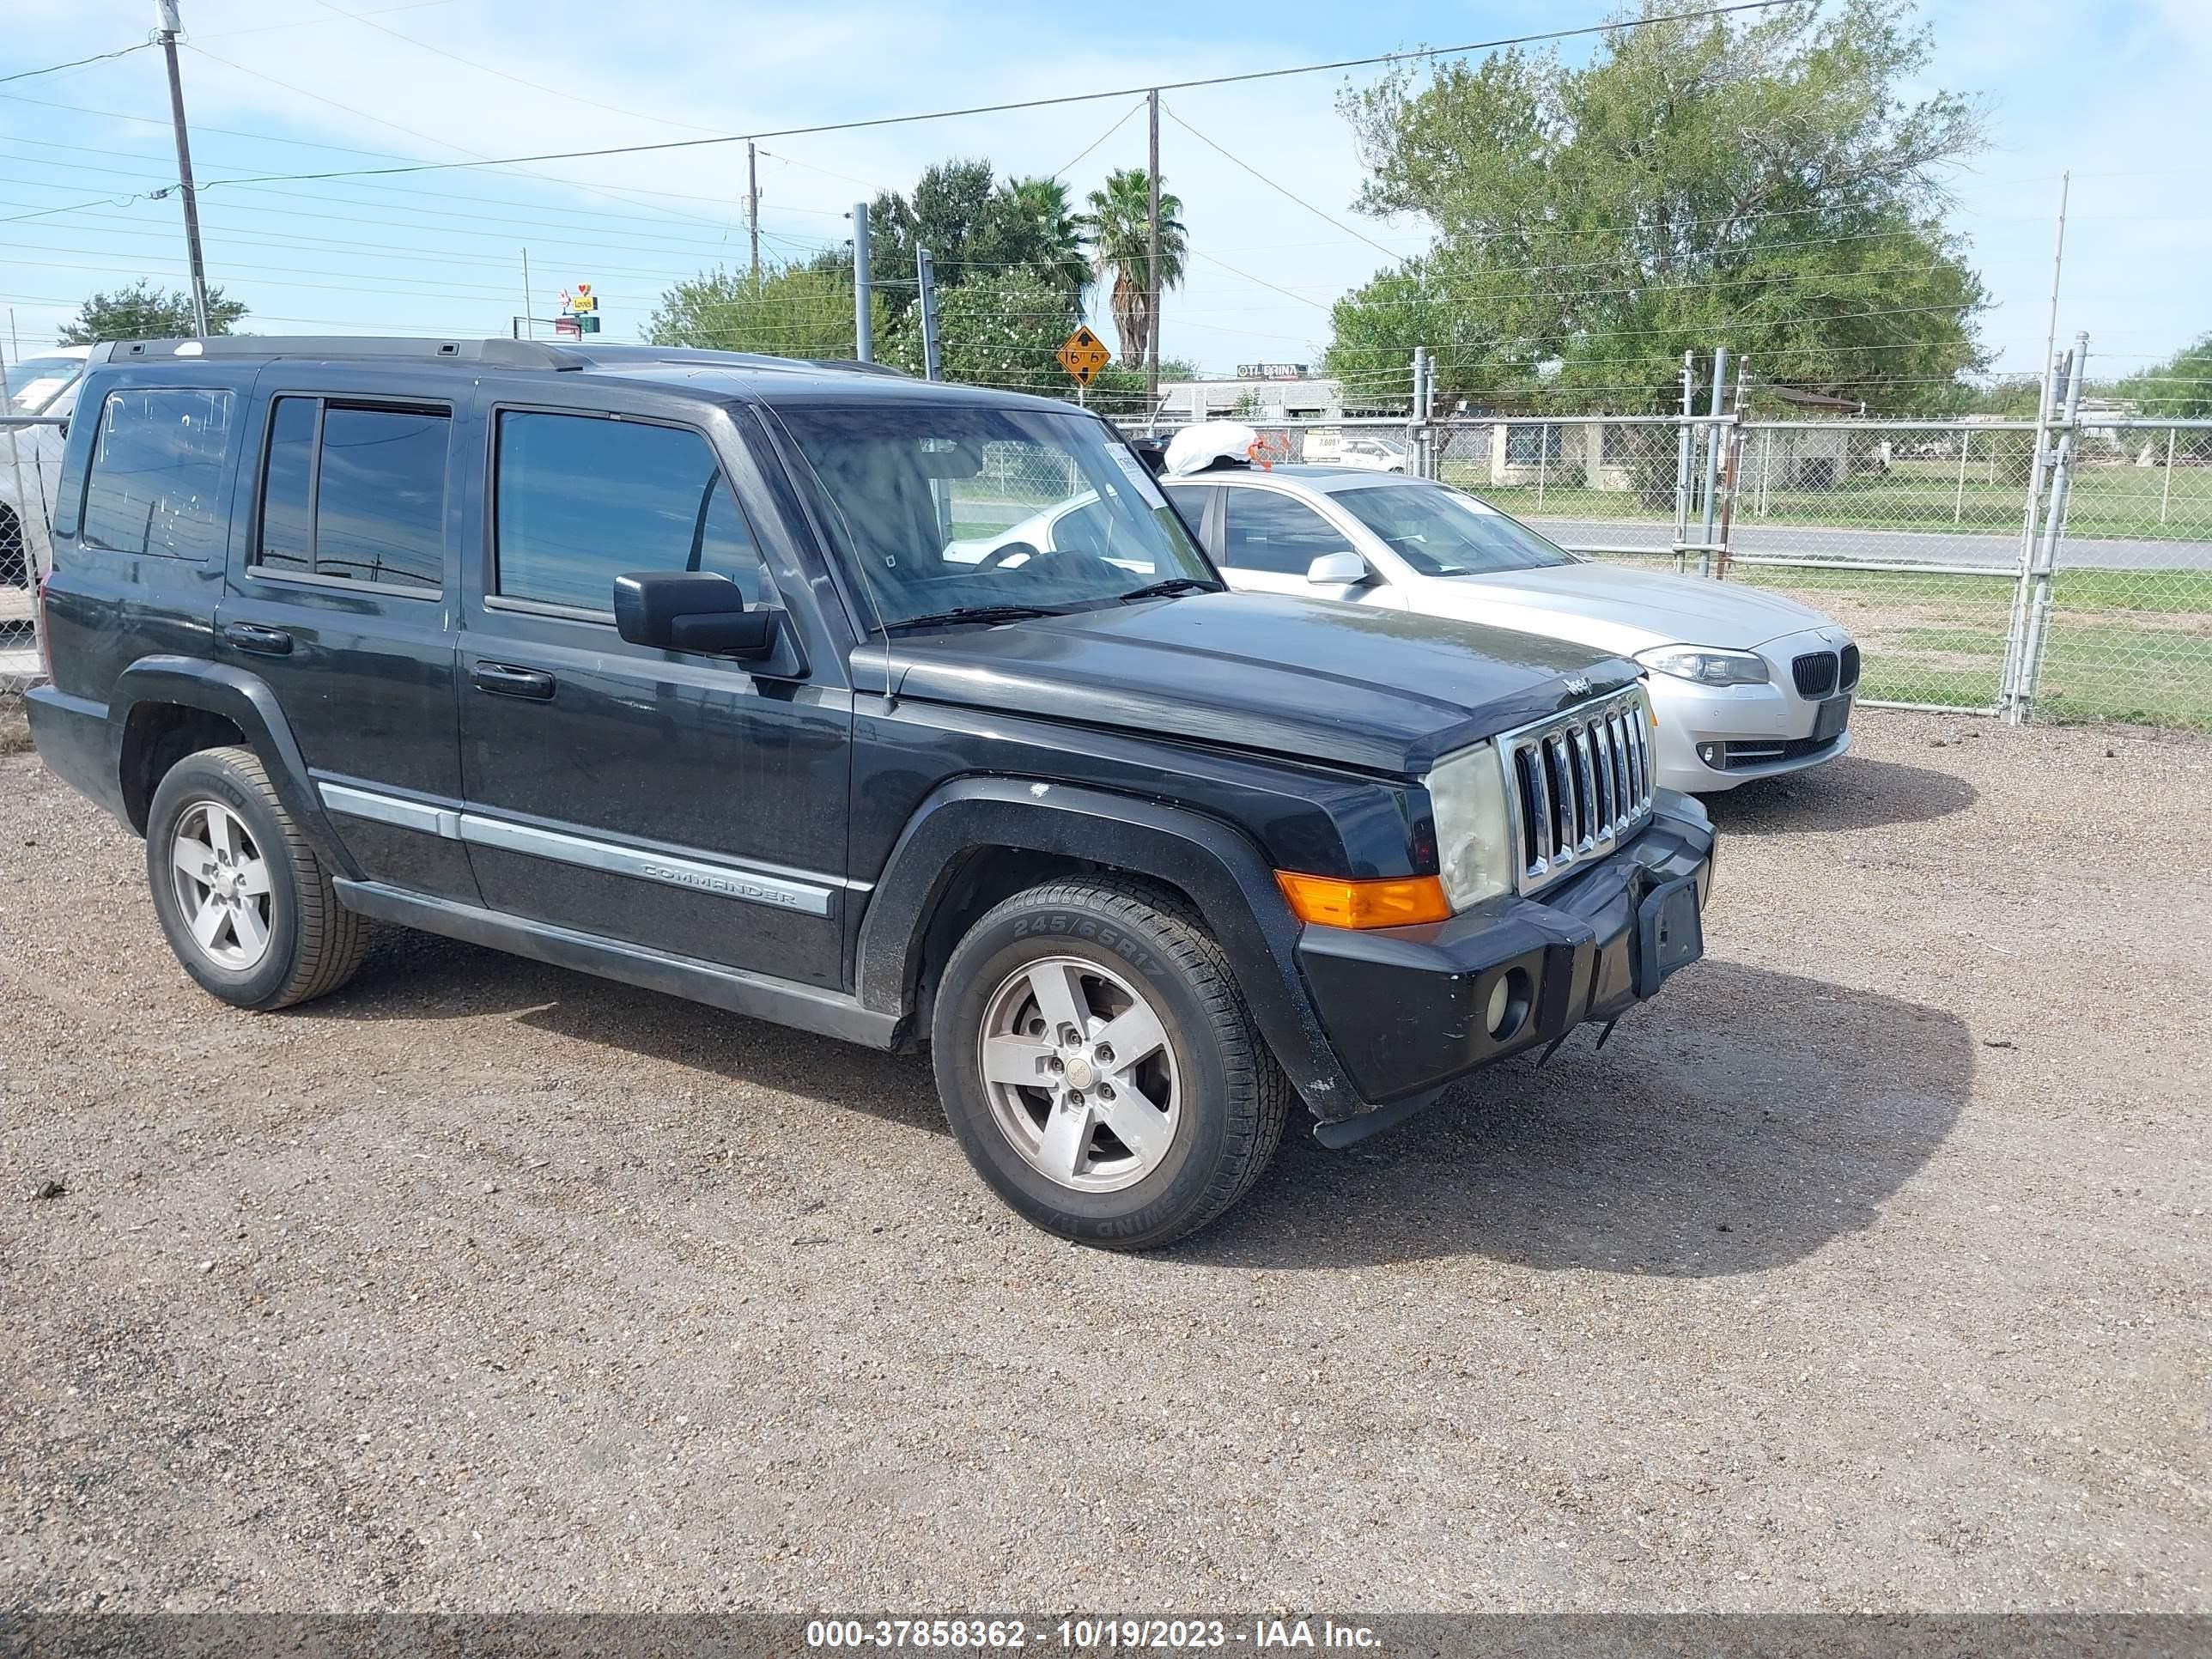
<point x="1408" y="1010"/>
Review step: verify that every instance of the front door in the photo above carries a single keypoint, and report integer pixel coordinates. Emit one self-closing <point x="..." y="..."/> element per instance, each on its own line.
<point x="667" y="799"/>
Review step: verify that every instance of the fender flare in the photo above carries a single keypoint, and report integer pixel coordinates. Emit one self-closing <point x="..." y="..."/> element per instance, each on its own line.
<point x="247" y="701"/>
<point x="1218" y="868"/>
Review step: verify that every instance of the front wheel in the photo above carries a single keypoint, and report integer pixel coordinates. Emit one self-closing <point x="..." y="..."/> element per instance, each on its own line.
<point x="1099" y="1069"/>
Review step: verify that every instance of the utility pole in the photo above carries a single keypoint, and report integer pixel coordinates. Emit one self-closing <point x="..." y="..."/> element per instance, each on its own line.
<point x="864" y="322"/>
<point x="166" y="11"/>
<point x="925" y="273"/>
<point x="752" y="205"/>
<point x="1152" y="262"/>
<point x="529" y="323"/>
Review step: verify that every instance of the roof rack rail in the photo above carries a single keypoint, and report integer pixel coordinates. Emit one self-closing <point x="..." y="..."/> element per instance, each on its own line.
<point x="515" y="353"/>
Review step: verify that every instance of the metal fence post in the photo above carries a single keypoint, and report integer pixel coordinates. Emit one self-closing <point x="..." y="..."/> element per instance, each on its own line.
<point x="1959" y="500"/>
<point x="925" y="272"/>
<point x="2165" y="490"/>
<point x="1682" y="466"/>
<point x="2046" y="403"/>
<point x="1543" y="459"/>
<point x="1712" y="464"/>
<point x="2054" y="531"/>
<point x="864" y="321"/>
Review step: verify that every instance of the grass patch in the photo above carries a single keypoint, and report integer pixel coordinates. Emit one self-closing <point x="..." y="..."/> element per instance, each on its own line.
<point x="2128" y="503"/>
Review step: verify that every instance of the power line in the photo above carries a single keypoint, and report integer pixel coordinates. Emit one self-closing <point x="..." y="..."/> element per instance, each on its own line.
<point x="362" y="18"/>
<point x="1414" y="55"/>
<point x="1280" y="189"/>
<point x="78" y="62"/>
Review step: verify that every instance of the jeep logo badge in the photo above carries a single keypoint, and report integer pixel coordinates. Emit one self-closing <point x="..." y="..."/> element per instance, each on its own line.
<point x="1577" y="684"/>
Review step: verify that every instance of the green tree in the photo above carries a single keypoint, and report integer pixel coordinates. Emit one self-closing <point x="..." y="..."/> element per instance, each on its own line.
<point x="974" y="226"/>
<point x="2179" y="388"/>
<point x="142" y="312"/>
<point x="795" y="310"/>
<point x="998" y="329"/>
<point x="1774" y="186"/>
<point x="1118" y="229"/>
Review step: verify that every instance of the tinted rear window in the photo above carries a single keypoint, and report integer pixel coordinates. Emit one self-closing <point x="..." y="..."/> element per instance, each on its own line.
<point x="361" y="498"/>
<point x="156" y="475"/>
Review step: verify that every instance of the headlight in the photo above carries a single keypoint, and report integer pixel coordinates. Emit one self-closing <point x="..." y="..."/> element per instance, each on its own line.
<point x="1705" y="665"/>
<point x="1474" y="832"/>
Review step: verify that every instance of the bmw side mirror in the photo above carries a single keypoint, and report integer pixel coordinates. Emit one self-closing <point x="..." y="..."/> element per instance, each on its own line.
<point x="693" y="610"/>
<point x="1345" y="569"/>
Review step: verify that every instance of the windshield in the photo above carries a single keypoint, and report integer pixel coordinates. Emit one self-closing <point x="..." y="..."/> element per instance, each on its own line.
<point x="1441" y="532"/>
<point x="944" y="508"/>
<point x="37" y="381"/>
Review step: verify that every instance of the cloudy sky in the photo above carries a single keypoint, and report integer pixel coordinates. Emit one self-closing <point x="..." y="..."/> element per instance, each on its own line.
<point x="2113" y="89"/>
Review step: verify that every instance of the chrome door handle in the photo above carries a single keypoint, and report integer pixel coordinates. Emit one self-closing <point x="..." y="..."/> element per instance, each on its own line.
<point x="505" y="680"/>
<point x="262" y="641"/>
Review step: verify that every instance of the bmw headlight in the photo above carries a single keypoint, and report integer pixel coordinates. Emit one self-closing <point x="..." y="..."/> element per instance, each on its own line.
<point x="1474" y="832"/>
<point x="1704" y="665"/>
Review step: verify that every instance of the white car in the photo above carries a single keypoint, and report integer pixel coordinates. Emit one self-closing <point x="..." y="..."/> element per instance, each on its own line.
<point x="43" y="384"/>
<point x="1746" y="683"/>
<point x="1360" y="450"/>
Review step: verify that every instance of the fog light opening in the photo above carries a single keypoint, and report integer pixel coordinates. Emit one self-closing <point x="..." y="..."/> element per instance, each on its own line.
<point x="1507" y="1005"/>
<point x="1713" y="755"/>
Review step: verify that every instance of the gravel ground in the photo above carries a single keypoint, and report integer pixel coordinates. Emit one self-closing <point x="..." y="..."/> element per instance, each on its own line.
<point x="1865" y="1269"/>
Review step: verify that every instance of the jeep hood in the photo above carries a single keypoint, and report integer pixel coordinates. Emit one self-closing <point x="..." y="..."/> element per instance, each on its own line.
<point x="1351" y="685"/>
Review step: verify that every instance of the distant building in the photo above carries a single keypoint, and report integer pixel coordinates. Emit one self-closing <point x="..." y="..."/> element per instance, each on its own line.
<point x="1282" y="393"/>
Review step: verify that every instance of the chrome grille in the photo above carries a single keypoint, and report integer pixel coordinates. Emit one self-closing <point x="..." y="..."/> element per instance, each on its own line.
<point x="1581" y="782"/>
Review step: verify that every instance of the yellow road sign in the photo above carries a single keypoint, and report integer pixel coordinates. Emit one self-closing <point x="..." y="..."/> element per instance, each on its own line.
<point x="1083" y="354"/>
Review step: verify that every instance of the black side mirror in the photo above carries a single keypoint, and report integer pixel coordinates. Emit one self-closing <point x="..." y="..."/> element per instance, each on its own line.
<point x="693" y="611"/>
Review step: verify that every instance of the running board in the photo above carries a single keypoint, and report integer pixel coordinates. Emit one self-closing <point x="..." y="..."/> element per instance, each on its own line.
<point x="805" y="1007"/>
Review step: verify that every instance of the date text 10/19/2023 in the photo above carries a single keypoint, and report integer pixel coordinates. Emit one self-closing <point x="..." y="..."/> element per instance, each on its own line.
<point x="1078" y="1635"/>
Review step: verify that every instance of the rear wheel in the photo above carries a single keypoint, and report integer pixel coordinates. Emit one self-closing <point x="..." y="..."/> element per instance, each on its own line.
<point x="1099" y="1069"/>
<point x="247" y="906"/>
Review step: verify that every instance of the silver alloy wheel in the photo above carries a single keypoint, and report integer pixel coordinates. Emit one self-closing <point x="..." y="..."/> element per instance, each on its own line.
<point x="222" y="885"/>
<point x="1080" y="1074"/>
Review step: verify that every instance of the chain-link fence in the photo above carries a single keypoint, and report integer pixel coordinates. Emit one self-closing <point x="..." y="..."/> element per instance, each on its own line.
<point x="2127" y="635"/>
<point x="1914" y="534"/>
<point x="28" y="457"/>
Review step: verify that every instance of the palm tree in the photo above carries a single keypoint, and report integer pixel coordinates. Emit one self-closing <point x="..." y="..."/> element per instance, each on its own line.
<point x="1118" y="229"/>
<point x="1050" y="234"/>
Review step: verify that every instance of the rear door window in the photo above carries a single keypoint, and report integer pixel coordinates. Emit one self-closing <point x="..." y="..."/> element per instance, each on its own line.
<point x="156" y="481"/>
<point x="355" y="493"/>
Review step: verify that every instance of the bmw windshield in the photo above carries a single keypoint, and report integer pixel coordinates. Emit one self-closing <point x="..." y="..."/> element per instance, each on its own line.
<point x="34" y="382"/>
<point x="958" y="513"/>
<point x="1441" y="532"/>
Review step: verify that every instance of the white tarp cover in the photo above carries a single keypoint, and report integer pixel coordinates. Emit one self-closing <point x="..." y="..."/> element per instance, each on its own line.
<point x="1197" y="447"/>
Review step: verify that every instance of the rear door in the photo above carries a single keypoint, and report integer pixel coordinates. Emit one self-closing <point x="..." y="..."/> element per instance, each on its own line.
<point x="343" y="598"/>
<point x="685" y="802"/>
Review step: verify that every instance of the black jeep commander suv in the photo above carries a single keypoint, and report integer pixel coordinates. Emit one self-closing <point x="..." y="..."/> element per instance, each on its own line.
<point x="724" y="675"/>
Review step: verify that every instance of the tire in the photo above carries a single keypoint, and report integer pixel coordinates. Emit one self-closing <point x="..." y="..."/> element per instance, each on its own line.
<point x="281" y="937"/>
<point x="1130" y="1149"/>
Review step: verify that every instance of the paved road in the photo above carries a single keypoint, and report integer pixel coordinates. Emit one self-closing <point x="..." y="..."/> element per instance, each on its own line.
<point x="1924" y="546"/>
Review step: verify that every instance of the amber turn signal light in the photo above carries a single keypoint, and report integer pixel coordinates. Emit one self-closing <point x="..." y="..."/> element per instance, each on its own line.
<point x="1329" y="901"/>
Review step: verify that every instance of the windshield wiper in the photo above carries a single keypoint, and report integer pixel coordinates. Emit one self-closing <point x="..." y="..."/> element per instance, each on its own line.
<point x="1172" y="585"/>
<point x="975" y="613"/>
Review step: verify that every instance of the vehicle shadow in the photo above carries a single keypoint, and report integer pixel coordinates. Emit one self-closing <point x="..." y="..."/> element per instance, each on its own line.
<point x="1738" y="1124"/>
<point x="1847" y="794"/>
<point x="414" y="976"/>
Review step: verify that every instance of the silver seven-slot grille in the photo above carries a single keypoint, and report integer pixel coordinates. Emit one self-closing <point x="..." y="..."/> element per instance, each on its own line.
<point x="1580" y="782"/>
